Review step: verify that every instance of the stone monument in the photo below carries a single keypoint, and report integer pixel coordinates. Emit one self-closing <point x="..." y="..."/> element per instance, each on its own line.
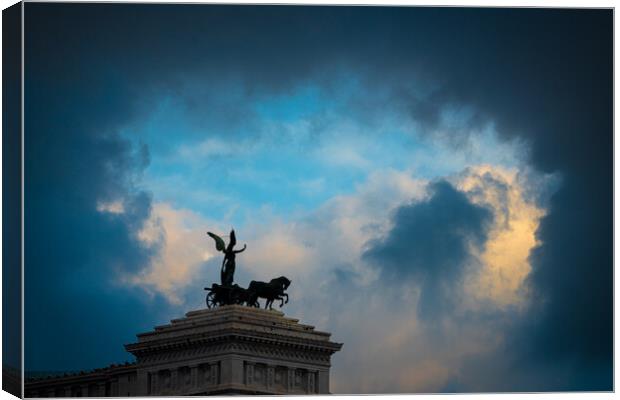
<point x="234" y="349"/>
<point x="231" y="347"/>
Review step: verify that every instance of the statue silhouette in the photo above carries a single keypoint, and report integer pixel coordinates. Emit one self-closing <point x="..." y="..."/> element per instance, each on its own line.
<point x="229" y="293"/>
<point x="227" y="274"/>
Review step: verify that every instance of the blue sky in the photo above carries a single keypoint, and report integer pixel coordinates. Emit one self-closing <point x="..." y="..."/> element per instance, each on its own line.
<point x="294" y="151"/>
<point x="422" y="166"/>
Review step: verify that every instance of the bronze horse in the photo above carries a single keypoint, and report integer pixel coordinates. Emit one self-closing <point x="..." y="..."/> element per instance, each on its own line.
<point x="274" y="290"/>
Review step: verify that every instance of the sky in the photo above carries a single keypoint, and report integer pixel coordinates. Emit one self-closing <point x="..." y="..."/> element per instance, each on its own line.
<point x="436" y="182"/>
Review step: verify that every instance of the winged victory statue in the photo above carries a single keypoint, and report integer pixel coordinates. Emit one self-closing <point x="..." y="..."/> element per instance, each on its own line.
<point x="230" y="293"/>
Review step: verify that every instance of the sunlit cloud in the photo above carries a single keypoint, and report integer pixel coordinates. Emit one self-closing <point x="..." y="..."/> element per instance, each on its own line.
<point x="182" y="236"/>
<point x="505" y="258"/>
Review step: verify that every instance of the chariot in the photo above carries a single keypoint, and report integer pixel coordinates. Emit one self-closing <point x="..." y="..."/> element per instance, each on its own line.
<point x="219" y="295"/>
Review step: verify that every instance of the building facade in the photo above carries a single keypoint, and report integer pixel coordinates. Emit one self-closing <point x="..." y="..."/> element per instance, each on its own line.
<point x="227" y="350"/>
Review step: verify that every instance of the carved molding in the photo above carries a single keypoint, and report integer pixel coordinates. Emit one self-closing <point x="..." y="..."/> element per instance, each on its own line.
<point x="241" y="347"/>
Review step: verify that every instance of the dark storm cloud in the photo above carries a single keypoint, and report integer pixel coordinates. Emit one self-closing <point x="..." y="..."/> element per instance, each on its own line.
<point x="547" y="78"/>
<point x="429" y="246"/>
<point x="74" y="253"/>
<point x="542" y="76"/>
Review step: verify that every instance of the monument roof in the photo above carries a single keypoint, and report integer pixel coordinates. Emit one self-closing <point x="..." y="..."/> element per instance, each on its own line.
<point x="233" y="321"/>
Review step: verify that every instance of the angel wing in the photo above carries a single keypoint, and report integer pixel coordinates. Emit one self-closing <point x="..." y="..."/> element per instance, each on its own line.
<point x="233" y="240"/>
<point x="219" y="242"/>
